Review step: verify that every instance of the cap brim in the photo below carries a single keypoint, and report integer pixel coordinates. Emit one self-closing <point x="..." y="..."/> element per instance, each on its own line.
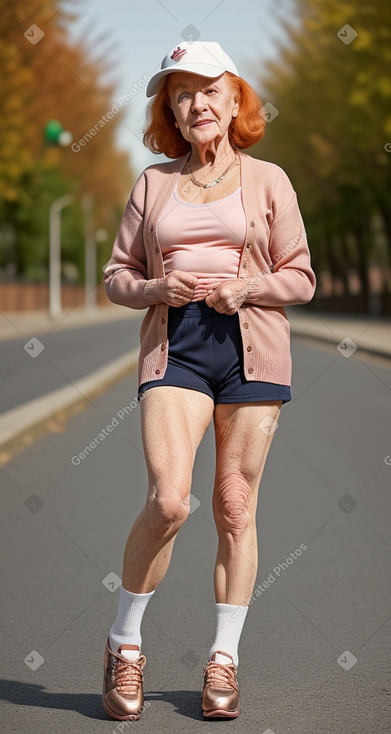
<point x="155" y="84"/>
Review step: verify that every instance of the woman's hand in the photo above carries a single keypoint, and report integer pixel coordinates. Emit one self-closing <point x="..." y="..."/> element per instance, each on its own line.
<point x="228" y="296"/>
<point x="176" y="288"/>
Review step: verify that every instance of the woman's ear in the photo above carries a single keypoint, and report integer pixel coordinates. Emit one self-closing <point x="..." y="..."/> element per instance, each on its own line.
<point x="235" y="109"/>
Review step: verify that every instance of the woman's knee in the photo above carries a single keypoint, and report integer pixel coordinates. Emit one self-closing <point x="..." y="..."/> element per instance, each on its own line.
<point x="166" y="509"/>
<point x="232" y="503"/>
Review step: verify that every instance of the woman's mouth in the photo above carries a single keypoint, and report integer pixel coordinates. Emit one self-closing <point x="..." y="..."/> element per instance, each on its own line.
<point x="202" y="123"/>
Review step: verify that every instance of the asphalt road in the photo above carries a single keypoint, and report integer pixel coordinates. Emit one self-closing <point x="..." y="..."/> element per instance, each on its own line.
<point x="315" y="650"/>
<point x="65" y="357"/>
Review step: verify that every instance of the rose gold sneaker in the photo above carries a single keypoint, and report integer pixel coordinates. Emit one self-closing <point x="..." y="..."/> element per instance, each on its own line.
<point x="123" y="696"/>
<point x="220" y="696"/>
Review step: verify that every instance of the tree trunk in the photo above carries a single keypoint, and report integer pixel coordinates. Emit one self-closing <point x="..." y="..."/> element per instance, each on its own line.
<point x="361" y="236"/>
<point x="385" y="214"/>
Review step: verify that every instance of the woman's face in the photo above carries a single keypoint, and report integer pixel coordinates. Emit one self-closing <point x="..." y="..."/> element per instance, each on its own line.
<point x="203" y="107"/>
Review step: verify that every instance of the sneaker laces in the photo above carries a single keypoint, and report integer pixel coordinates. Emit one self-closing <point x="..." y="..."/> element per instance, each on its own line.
<point x="220" y="675"/>
<point x="128" y="676"/>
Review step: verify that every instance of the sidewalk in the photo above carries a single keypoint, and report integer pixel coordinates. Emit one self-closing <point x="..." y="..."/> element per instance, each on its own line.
<point x="371" y="334"/>
<point x="20" y="426"/>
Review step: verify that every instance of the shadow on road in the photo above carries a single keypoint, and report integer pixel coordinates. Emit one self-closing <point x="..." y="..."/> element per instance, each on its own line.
<point x="186" y="703"/>
<point x="32" y="694"/>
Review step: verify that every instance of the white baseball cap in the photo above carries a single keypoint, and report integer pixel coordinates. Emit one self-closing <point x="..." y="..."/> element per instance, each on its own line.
<point x="205" y="58"/>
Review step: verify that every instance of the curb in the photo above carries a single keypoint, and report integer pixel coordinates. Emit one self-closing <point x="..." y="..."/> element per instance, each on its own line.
<point x="20" y="426"/>
<point x="17" y="424"/>
<point x="363" y="348"/>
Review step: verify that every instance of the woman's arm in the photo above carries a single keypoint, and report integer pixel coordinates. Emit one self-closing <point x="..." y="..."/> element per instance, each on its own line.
<point x="125" y="275"/>
<point x="128" y="288"/>
<point x="292" y="280"/>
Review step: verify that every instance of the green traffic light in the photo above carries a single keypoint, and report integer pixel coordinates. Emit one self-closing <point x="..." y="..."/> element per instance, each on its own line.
<point x="53" y="129"/>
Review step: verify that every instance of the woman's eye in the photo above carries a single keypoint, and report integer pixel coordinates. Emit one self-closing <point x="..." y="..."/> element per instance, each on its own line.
<point x="186" y="95"/>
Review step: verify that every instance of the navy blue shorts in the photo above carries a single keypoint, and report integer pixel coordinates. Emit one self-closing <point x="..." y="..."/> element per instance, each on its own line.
<point x="205" y="353"/>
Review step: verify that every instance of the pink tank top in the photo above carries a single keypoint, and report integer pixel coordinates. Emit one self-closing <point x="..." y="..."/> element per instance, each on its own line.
<point x="205" y="240"/>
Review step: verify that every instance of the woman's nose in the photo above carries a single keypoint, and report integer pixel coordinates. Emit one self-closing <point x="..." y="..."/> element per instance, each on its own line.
<point x="199" y="102"/>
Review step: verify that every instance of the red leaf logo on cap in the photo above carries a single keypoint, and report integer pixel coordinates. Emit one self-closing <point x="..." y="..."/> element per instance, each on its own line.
<point x="177" y="53"/>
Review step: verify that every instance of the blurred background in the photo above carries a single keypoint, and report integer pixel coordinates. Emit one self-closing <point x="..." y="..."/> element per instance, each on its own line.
<point x="73" y="79"/>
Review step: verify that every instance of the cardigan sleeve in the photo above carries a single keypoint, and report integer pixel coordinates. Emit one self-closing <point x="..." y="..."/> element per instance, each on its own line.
<point x="291" y="280"/>
<point x="125" y="274"/>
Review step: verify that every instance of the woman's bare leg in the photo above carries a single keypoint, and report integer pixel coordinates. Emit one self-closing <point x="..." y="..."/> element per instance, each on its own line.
<point x="243" y="436"/>
<point x="173" y="422"/>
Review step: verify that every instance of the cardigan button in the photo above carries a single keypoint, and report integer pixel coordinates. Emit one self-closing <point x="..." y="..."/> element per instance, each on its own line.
<point x="245" y="325"/>
<point x="163" y="346"/>
<point x="156" y="249"/>
<point x="249" y="349"/>
<point x="250" y="370"/>
<point x="157" y="372"/>
<point x="252" y="223"/>
<point x="163" y="320"/>
<point x="151" y="227"/>
<point x="248" y="246"/>
<point x="244" y="265"/>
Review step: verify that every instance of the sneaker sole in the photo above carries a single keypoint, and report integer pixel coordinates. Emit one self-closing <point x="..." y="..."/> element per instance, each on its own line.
<point x="221" y="713"/>
<point x="128" y="717"/>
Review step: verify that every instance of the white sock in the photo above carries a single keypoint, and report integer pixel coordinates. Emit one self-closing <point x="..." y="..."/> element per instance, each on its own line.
<point x="127" y="626"/>
<point x="229" y="624"/>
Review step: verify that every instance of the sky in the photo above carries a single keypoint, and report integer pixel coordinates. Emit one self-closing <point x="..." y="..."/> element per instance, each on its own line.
<point x="137" y="36"/>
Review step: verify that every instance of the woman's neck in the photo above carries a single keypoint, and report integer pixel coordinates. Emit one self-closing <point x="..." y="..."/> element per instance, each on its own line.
<point x="211" y="156"/>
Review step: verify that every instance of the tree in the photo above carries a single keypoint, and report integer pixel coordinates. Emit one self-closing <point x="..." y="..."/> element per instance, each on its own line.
<point x="54" y="78"/>
<point x="332" y="86"/>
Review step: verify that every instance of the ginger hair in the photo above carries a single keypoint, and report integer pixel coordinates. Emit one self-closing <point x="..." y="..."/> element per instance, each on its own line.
<point x="161" y="135"/>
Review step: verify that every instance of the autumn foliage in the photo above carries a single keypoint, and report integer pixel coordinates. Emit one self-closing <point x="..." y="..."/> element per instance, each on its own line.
<point x="53" y="78"/>
<point x="331" y="87"/>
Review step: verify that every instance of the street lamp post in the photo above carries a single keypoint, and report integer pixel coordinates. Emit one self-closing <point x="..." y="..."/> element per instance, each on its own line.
<point x="89" y="254"/>
<point x="55" y="253"/>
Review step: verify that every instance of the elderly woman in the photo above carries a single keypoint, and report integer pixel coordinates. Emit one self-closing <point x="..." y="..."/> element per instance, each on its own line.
<point x="213" y="245"/>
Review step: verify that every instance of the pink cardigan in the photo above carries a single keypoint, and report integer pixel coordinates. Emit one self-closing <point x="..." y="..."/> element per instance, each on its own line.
<point x="275" y="260"/>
